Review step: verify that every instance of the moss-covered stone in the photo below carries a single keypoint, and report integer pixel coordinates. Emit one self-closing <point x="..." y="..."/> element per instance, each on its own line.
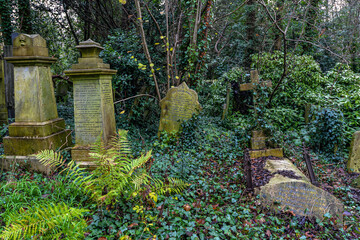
<point x="94" y="112"/>
<point x="353" y="164"/>
<point x="24" y="146"/>
<point x="356" y="182"/>
<point x="179" y="105"/>
<point x="30" y="163"/>
<point x="298" y="195"/>
<point x="37" y="126"/>
<point x="36" y="129"/>
<point x="275" y="152"/>
<point x="30" y="45"/>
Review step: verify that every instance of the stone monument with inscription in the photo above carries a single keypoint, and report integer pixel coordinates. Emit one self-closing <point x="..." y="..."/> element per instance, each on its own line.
<point x="37" y="125"/>
<point x="353" y="164"/>
<point x="93" y="101"/>
<point x="179" y="105"/>
<point x="294" y="192"/>
<point x="3" y="109"/>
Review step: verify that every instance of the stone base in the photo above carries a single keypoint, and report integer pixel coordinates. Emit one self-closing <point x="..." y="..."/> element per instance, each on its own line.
<point x="24" y="146"/>
<point x="31" y="163"/>
<point x="81" y="156"/>
<point x="275" y="152"/>
<point x="36" y="129"/>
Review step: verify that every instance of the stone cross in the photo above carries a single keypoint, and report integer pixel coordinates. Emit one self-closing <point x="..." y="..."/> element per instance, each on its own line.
<point x="254" y="76"/>
<point x="258" y="137"/>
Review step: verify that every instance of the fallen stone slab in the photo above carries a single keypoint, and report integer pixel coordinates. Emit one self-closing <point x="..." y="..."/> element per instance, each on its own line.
<point x="294" y="192"/>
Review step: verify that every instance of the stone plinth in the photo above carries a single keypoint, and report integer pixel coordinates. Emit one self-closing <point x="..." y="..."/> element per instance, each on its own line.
<point x="3" y="109"/>
<point x="93" y="101"/>
<point x="353" y="164"/>
<point x="37" y="125"/>
<point x="179" y="105"/>
<point x="297" y="195"/>
<point x="30" y="163"/>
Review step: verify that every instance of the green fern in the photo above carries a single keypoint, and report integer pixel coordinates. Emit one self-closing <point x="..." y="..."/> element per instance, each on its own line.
<point x="117" y="176"/>
<point x="48" y="221"/>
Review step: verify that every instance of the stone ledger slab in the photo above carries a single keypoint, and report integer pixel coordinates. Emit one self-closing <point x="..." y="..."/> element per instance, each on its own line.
<point x="298" y="195"/>
<point x="37" y="125"/>
<point x="179" y="105"/>
<point x="353" y="164"/>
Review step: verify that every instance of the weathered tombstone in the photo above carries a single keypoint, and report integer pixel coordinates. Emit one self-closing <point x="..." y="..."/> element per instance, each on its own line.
<point x="295" y="193"/>
<point x="353" y="164"/>
<point x="37" y="125"/>
<point x="93" y="102"/>
<point x="179" y="105"/>
<point x="258" y="139"/>
<point x="3" y="109"/>
<point x="356" y="182"/>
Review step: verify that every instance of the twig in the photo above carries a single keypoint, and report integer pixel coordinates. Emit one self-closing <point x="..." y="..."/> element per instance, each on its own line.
<point x="140" y="95"/>
<point x="224" y="16"/>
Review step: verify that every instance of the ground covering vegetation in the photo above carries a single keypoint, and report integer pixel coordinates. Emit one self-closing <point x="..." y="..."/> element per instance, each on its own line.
<point x="192" y="185"/>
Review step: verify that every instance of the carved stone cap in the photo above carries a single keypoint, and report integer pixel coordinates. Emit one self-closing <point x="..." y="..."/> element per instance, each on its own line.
<point x="89" y="49"/>
<point x="90" y="62"/>
<point x="30" y="45"/>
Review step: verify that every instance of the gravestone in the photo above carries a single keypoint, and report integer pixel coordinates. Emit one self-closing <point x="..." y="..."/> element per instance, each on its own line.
<point x="258" y="138"/>
<point x="3" y="109"/>
<point x="179" y="105"/>
<point x="93" y="102"/>
<point x="298" y="195"/>
<point x="353" y="164"/>
<point x="37" y="125"/>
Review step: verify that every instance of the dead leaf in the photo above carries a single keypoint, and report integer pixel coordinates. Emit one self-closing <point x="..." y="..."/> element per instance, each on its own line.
<point x="133" y="225"/>
<point x="200" y="221"/>
<point x="187" y="207"/>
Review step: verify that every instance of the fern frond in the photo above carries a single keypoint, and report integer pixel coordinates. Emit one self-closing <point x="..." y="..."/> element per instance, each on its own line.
<point x="137" y="163"/>
<point x="120" y="143"/>
<point x="174" y="186"/>
<point x="50" y="158"/>
<point x="47" y="220"/>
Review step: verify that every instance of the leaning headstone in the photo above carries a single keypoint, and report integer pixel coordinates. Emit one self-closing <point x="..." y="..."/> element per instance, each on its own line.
<point x="37" y="125"/>
<point x="356" y="182"/>
<point x="179" y="105"/>
<point x="3" y="109"/>
<point x="289" y="189"/>
<point x="93" y="102"/>
<point x="353" y="164"/>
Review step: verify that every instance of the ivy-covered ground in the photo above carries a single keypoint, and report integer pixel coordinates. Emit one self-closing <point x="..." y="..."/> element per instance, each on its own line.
<point x="208" y="155"/>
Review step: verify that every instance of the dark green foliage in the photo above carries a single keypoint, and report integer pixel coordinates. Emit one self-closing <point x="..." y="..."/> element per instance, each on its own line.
<point x="326" y="131"/>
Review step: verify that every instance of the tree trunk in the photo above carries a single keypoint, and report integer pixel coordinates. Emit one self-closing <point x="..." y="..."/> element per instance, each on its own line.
<point x="25" y="17"/>
<point x="6" y="26"/>
<point x="310" y="31"/>
<point x="250" y="34"/>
